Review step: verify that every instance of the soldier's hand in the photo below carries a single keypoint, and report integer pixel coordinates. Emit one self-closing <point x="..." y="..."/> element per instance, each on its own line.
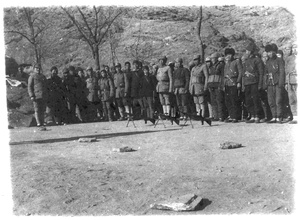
<point x="32" y="98"/>
<point x="239" y="85"/>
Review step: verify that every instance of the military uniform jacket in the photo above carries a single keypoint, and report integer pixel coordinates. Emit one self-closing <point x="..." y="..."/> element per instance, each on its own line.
<point x="290" y="70"/>
<point x="106" y="89"/>
<point x="128" y="76"/>
<point x="37" y="86"/>
<point x="198" y="80"/>
<point x="69" y="87"/>
<point x="147" y="86"/>
<point x="56" y="92"/>
<point x="80" y="89"/>
<point x="165" y="80"/>
<point x="275" y="72"/>
<point x="135" y="83"/>
<point x="233" y="72"/>
<point x="253" y="71"/>
<point x="181" y="80"/>
<point x="92" y="86"/>
<point x="216" y="75"/>
<point x="120" y="82"/>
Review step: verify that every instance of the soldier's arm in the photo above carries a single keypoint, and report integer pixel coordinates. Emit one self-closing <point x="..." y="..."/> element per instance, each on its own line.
<point x="126" y="79"/>
<point x="171" y="79"/>
<point x="240" y="71"/>
<point x="205" y="71"/>
<point x="111" y="87"/>
<point x="281" y="80"/>
<point x="187" y="79"/>
<point x="260" y="68"/>
<point x="30" y="87"/>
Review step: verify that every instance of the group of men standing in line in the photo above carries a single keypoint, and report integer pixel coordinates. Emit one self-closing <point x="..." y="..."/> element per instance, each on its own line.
<point x="250" y="88"/>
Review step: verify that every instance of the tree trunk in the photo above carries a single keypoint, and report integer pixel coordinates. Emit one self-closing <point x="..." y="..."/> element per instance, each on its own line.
<point x="199" y="23"/>
<point x="96" y="57"/>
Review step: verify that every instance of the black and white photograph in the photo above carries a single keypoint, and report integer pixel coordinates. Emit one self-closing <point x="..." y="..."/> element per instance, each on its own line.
<point x="149" y="109"/>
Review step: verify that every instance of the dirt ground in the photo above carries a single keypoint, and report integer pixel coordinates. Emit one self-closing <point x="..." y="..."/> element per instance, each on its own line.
<point x="53" y="174"/>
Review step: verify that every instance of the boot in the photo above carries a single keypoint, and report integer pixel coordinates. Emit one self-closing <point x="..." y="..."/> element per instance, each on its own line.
<point x="121" y="111"/>
<point x="168" y="107"/>
<point x="37" y="118"/>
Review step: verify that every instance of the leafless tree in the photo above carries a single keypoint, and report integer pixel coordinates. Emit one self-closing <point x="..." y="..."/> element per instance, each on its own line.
<point x="198" y="29"/>
<point x="93" y="25"/>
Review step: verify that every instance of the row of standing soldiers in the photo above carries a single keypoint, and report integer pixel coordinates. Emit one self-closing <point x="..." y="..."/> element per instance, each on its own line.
<point x="222" y="88"/>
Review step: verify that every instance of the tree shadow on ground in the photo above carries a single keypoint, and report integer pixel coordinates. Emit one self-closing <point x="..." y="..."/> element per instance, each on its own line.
<point x="205" y="202"/>
<point x="99" y="136"/>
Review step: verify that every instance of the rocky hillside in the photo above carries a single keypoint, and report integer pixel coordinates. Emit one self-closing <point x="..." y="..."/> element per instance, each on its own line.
<point x="171" y="30"/>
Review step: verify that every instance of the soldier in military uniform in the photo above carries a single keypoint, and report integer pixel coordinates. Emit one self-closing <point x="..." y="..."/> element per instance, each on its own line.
<point x="121" y="84"/>
<point x="252" y="81"/>
<point x="92" y="95"/>
<point x="181" y="86"/>
<point x="57" y="107"/>
<point x="37" y="90"/>
<point x="147" y="91"/>
<point x="232" y="82"/>
<point x="70" y="89"/>
<point x="275" y="80"/>
<point x="291" y="78"/>
<point x="215" y="79"/>
<point x="106" y="94"/>
<point x="127" y="99"/>
<point x="165" y="84"/>
<point x="198" y="84"/>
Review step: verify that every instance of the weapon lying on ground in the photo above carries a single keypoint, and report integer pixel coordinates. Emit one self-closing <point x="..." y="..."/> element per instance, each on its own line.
<point x="162" y="117"/>
<point x="197" y="118"/>
<point x="130" y="118"/>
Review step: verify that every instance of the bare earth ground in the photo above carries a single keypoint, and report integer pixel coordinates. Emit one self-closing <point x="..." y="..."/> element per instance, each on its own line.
<point x="53" y="174"/>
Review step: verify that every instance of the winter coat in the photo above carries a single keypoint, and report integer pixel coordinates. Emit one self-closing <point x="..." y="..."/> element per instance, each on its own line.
<point x="290" y="70"/>
<point x="128" y="76"/>
<point x="37" y="86"/>
<point x="233" y="73"/>
<point x="274" y="72"/>
<point x="147" y="86"/>
<point x="56" y="92"/>
<point x="215" y="75"/>
<point x="165" y="80"/>
<point x="181" y="80"/>
<point x="120" y="82"/>
<point x="135" y="83"/>
<point x="106" y="89"/>
<point x="80" y="89"/>
<point x="253" y="71"/>
<point x="70" y="87"/>
<point x="92" y="86"/>
<point x="198" y="80"/>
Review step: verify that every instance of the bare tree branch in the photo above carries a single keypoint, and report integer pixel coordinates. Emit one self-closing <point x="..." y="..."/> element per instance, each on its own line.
<point x="86" y="23"/>
<point x="20" y="33"/>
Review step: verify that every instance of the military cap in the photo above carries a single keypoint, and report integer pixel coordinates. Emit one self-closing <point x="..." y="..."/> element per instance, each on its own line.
<point x="162" y="58"/>
<point x="65" y="70"/>
<point x="36" y="65"/>
<point x="229" y="51"/>
<point x="215" y="55"/>
<point x="79" y="69"/>
<point x="197" y="57"/>
<point x="89" y="68"/>
<point x="72" y="68"/>
<point x="127" y="62"/>
<point x="221" y="59"/>
<point x="179" y="60"/>
<point x="146" y="68"/>
<point x="207" y="59"/>
<point x="53" y="68"/>
<point x="118" y="65"/>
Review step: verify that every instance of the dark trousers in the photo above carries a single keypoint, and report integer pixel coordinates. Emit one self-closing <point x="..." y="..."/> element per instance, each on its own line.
<point x="231" y="101"/>
<point x="39" y="106"/>
<point x="263" y="97"/>
<point x="217" y="102"/>
<point x="252" y="99"/>
<point x="275" y="100"/>
<point x="287" y="112"/>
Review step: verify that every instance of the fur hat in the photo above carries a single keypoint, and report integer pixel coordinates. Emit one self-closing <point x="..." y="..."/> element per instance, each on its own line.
<point x="229" y="51"/>
<point x="268" y="48"/>
<point x="65" y="70"/>
<point x="215" y="55"/>
<point x="53" y="68"/>
<point x="72" y="68"/>
<point x="127" y="62"/>
<point x="89" y="68"/>
<point x="178" y="60"/>
<point x="118" y="65"/>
